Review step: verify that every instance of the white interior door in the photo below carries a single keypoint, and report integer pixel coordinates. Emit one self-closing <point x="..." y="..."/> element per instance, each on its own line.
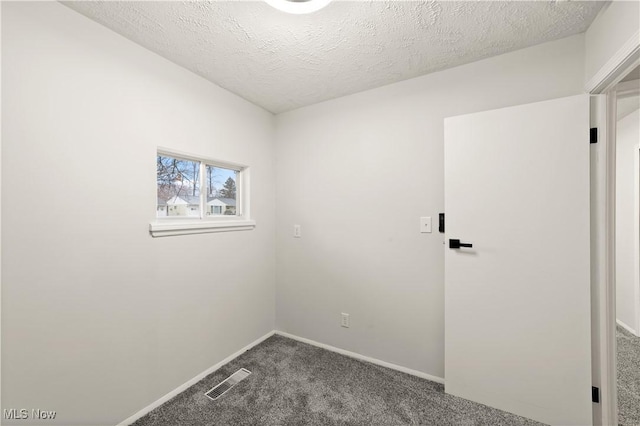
<point x="517" y="303"/>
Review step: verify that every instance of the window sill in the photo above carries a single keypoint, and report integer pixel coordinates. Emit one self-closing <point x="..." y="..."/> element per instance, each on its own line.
<point x="168" y="228"/>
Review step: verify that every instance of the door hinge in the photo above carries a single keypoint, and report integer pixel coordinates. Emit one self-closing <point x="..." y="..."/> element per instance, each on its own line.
<point x="593" y="135"/>
<point x="595" y="394"/>
<point x="440" y="222"/>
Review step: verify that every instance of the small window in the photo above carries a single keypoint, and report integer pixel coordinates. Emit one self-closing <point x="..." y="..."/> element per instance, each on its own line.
<point x="178" y="187"/>
<point x="209" y="192"/>
<point x="221" y="191"/>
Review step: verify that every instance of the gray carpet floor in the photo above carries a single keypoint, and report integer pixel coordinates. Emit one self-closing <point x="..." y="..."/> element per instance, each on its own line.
<point x="628" y="378"/>
<point x="293" y="383"/>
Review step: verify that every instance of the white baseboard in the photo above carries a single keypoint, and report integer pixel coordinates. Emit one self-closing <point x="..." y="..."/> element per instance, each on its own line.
<point x="626" y="327"/>
<point x="192" y="381"/>
<point x="363" y="358"/>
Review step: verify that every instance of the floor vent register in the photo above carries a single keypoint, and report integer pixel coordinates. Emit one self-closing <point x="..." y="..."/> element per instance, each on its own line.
<point x="228" y="383"/>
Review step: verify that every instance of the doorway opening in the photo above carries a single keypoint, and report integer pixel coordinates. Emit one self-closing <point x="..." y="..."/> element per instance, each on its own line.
<point x="627" y="248"/>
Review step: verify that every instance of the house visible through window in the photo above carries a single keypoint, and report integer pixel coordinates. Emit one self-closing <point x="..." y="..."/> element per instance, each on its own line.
<point x="189" y="188"/>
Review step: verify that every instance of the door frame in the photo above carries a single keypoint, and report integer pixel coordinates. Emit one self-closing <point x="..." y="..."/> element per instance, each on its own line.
<point x="603" y="188"/>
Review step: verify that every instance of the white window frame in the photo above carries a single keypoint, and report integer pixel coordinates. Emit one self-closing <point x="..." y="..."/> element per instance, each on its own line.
<point x="241" y="221"/>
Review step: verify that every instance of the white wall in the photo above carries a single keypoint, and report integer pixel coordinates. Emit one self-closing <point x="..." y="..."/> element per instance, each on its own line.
<point x="369" y="151"/>
<point x="98" y="318"/>
<point x="615" y="25"/>
<point x="627" y="226"/>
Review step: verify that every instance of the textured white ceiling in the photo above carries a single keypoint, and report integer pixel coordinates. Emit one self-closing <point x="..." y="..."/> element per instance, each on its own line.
<point x="282" y="62"/>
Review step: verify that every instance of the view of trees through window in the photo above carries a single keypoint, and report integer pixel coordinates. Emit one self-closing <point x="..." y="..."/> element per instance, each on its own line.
<point x="179" y="192"/>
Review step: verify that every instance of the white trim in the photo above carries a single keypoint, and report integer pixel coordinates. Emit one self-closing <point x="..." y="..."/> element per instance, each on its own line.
<point x="363" y="358"/>
<point x="607" y="263"/>
<point x="603" y="259"/>
<point x="192" y="381"/>
<point x="623" y="61"/>
<point x="610" y="350"/>
<point x="626" y="327"/>
<point x="168" y="228"/>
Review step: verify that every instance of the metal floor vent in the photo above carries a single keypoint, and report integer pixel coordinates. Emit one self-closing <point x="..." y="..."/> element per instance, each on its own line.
<point x="220" y="389"/>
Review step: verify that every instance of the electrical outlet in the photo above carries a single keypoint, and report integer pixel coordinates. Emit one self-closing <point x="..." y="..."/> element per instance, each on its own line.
<point x="297" y="231"/>
<point x="345" y="320"/>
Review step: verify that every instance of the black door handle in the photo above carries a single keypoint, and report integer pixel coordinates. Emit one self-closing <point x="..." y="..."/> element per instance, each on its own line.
<point x="456" y="244"/>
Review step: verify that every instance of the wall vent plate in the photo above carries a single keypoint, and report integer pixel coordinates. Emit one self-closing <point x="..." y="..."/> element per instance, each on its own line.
<point x="228" y="383"/>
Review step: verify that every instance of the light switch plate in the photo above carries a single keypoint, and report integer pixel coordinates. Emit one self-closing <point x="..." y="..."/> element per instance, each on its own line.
<point x="425" y="224"/>
<point x="297" y="231"/>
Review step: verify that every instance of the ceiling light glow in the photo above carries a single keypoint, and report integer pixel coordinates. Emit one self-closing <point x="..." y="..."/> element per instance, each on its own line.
<point x="298" y="7"/>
